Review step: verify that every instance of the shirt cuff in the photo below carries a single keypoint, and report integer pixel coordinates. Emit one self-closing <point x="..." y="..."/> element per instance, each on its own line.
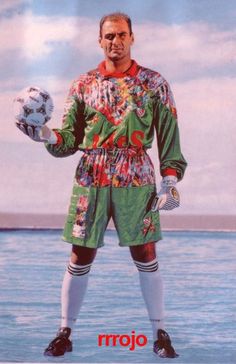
<point x="169" y="172"/>
<point x="55" y="138"/>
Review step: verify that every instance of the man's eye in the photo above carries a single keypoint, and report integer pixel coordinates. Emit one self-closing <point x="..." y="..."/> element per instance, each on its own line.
<point x="109" y="36"/>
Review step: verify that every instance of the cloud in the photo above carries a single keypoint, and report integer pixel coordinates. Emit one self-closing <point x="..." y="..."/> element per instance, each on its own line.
<point x="207" y="129"/>
<point x="37" y="36"/>
<point x="183" y="49"/>
<point x="5" y="5"/>
<point x="179" y="51"/>
<point x="205" y="103"/>
<point x="209" y="188"/>
<point x="206" y="108"/>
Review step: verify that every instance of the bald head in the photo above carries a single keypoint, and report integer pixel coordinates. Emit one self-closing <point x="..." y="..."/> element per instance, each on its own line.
<point x="115" y="17"/>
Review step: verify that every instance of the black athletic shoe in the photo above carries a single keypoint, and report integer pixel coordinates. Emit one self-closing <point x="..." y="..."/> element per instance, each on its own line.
<point x="162" y="346"/>
<point x="61" y="344"/>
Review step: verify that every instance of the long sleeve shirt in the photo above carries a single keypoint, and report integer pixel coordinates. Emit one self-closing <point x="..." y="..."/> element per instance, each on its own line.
<point x="119" y="110"/>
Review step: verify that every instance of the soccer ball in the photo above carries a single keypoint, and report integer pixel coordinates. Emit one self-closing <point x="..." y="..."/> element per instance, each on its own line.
<point x="33" y="106"/>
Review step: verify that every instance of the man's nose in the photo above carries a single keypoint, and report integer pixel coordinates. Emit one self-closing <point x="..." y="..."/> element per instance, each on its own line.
<point x="116" y="40"/>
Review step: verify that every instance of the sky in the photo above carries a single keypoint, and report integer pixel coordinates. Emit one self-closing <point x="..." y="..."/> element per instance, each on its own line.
<point x="192" y="43"/>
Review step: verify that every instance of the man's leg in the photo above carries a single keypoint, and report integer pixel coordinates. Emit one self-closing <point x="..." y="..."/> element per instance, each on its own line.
<point x="151" y="283"/>
<point x="75" y="284"/>
<point x="74" y="287"/>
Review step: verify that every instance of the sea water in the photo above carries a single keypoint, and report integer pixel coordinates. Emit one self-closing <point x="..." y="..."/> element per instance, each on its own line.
<point x="199" y="271"/>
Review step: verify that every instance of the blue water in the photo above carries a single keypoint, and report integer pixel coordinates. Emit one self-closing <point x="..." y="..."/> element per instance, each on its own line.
<point x="199" y="273"/>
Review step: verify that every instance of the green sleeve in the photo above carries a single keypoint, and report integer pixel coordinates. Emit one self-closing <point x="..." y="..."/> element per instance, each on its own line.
<point x="72" y="131"/>
<point x="168" y="140"/>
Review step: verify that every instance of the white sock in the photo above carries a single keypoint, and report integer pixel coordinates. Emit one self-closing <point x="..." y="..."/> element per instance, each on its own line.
<point x="74" y="287"/>
<point x="152" y="289"/>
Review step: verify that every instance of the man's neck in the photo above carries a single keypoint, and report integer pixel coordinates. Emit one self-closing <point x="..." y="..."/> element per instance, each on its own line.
<point x="119" y="66"/>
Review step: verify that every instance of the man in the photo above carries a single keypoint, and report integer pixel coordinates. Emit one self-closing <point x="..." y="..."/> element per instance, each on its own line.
<point x="111" y="114"/>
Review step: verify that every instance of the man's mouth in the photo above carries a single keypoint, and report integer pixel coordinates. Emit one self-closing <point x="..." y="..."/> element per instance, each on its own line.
<point x="116" y="49"/>
<point x="116" y="52"/>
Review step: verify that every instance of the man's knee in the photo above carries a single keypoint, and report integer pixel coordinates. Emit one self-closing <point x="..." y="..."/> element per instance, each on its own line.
<point x="81" y="255"/>
<point x="143" y="253"/>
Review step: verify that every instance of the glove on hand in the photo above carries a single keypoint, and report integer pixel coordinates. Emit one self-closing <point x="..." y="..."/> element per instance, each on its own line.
<point x="38" y="134"/>
<point x="168" y="196"/>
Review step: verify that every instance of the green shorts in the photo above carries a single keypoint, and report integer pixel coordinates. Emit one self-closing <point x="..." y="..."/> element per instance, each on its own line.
<point x="92" y="207"/>
<point x="106" y="193"/>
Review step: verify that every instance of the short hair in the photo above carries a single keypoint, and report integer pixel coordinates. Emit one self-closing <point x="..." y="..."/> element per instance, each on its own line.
<point x="114" y="17"/>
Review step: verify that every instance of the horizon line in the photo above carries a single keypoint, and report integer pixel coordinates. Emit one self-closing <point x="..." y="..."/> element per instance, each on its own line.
<point x="169" y="222"/>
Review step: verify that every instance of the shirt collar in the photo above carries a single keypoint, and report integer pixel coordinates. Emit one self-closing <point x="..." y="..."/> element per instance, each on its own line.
<point x="132" y="71"/>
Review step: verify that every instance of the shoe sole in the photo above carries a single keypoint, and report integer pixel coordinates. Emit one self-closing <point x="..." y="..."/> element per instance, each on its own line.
<point x="165" y="357"/>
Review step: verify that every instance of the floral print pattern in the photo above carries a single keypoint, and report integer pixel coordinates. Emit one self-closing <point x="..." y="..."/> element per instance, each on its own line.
<point x="127" y="167"/>
<point x="80" y="219"/>
<point x="116" y="98"/>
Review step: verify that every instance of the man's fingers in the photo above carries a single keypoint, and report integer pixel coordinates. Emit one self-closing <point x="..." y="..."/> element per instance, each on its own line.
<point x="22" y="127"/>
<point x="161" y="201"/>
<point x="169" y="200"/>
<point x="30" y="132"/>
<point x="36" y="133"/>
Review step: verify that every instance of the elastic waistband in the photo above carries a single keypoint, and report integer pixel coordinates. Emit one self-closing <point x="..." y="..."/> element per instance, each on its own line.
<point x="114" y="151"/>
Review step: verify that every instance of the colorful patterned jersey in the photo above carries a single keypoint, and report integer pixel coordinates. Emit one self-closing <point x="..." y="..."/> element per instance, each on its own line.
<point x="121" y="110"/>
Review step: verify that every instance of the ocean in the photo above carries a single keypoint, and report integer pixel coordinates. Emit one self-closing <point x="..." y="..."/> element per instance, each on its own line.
<point x="199" y="273"/>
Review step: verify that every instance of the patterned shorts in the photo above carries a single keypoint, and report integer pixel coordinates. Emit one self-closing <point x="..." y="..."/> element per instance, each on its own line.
<point x="117" y="184"/>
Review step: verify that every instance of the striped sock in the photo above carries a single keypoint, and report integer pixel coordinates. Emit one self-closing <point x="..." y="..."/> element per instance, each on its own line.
<point x="74" y="287"/>
<point x="152" y="290"/>
<point x="78" y="270"/>
<point x="147" y="267"/>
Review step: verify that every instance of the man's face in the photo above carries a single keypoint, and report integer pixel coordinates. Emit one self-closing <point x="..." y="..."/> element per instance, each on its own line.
<point x="116" y="40"/>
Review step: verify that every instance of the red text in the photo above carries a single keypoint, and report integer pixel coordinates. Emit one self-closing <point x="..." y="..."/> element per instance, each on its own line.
<point x="130" y="341"/>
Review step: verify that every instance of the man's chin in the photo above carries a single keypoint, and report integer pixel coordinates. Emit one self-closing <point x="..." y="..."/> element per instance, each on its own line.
<point x="116" y="57"/>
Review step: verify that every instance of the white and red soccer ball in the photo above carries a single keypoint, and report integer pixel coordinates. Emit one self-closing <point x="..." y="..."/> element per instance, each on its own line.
<point x="33" y="106"/>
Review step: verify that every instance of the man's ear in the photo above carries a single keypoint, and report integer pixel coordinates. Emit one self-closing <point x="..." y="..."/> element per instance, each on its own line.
<point x="132" y="38"/>
<point x="100" y="41"/>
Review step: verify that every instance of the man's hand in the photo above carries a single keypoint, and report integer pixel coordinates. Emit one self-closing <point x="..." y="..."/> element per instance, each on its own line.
<point x="168" y="196"/>
<point x="36" y="133"/>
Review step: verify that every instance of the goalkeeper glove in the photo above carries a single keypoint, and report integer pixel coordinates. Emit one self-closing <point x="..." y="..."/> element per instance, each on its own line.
<point x="168" y="196"/>
<point x="38" y="134"/>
